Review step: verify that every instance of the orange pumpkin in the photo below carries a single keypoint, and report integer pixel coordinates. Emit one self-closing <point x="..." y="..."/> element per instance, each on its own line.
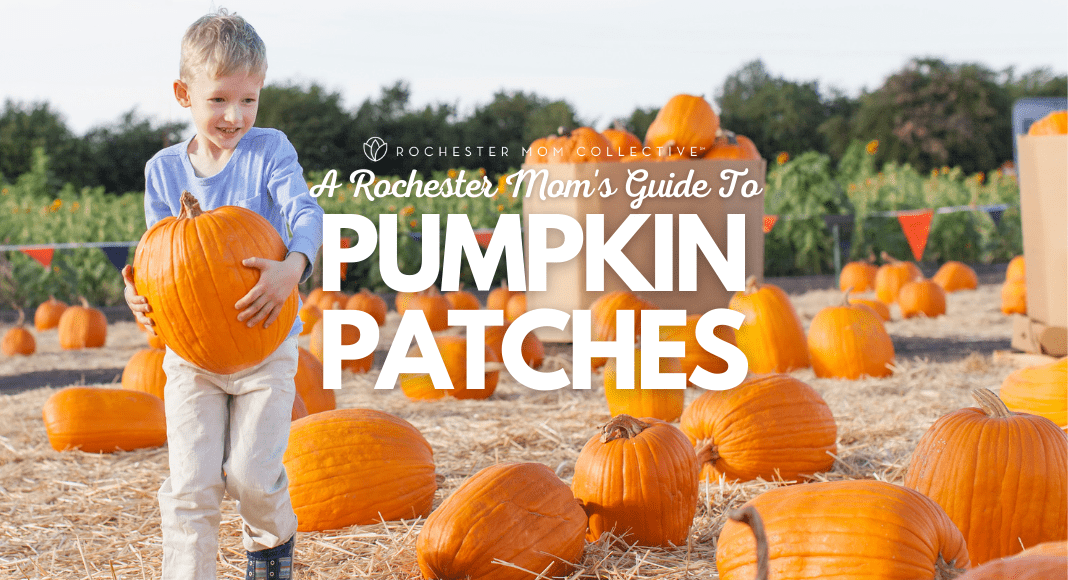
<point x="1046" y="549"/>
<point x="46" y="317"/>
<point x="1001" y="477"/>
<point x="663" y="404"/>
<point x="519" y="513"/>
<point x="892" y="275"/>
<point x="770" y="426"/>
<point x="463" y="300"/>
<point x="434" y="307"/>
<point x="731" y="146"/>
<point x="189" y="268"/>
<point x="603" y="316"/>
<point x="953" y="276"/>
<point x="516" y="306"/>
<point x="921" y="298"/>
<point x="849" y="342"/>
<point x="144" y="372"/>
<point x="1036" y="567"/>
<point x="581" y="145"/>
<point x="309" y="383"/>
<point x="300" y="410"/>
<point x="103" y="420"/>
<point x="331" y="299"/>
<point x="695" y="355"/>
<point x="309" y="314"/>
<point x="1039" y="390"/>
<point x="498" y="298"/>
<point x="842" y="529"/>
<point x="857" y="277"/>
<point x="1014" y="297"/>
<point x="357" y="467"/>
<point x="686" y="120"/>
<point x="638" y="479"/>
<point x="771" y="336"/>
<point x="1017" y="269"/>
<point x="18" y="340"/>
<point x="453" y="350"/>
<point x="82" y="327"/>
<point x="349" y="335"/>
<point x="621" y="143"/>
<point x="369" y="302"/>
<point x="1055" y="123"/>
<point x="877" y="306"/>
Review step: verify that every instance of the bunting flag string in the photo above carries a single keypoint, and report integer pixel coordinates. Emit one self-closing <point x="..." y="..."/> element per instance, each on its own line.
<point x="42" y="255"/>
<point x="917" y="226"/>
<point x="116" y="252"/>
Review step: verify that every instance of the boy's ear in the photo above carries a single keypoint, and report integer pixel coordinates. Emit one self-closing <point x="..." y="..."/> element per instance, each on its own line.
<point x="181" y="93"/>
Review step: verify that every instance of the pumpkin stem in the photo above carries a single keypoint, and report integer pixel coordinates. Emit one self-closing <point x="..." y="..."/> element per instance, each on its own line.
<point x="190" y="206"/>
<point x="888" y="258"/>
<point x="845" y="296"/>
<point x="946" y="570"/>
<point x="707" y="451"/>
<point x="991" y="404"/>
<point x="85" y="303"/>
<point x="749" y="516"/>
<point x="751" y="285"/>
<point x="22" y="318"/>
<point x="622" y="427"/>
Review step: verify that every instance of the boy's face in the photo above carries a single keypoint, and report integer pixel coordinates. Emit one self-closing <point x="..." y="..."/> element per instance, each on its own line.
<point x="223" y="108"/>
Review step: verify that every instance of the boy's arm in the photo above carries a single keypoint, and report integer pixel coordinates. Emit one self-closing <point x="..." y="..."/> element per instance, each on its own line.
<point x="305" y="219"/>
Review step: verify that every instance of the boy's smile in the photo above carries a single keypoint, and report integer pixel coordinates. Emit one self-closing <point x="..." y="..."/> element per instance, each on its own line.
<point x="223" y="108"/>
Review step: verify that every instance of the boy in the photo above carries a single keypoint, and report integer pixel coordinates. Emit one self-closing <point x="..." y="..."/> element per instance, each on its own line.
<point x="228" y="432"/>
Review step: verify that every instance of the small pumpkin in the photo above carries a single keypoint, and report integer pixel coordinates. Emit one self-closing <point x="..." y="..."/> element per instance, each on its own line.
<point x="519" y="513"/>
<point x="581" y="145"/>
<point x="771" y="336"/>
<point x="434" y="307"/>
<point x="463" y="300"/>
<point x="498" y="297"/>
<point x="857" y="277"/>
<point x="877" y="306"/>
<point x="637" y="478"/>
<point x="190" y="269"/>
<point x="849" y="342"/>
<point x="357" y="467"/>
<point x="103" y="420"/>
<point x="770" y="426"/>
<point x="309" y="314"/>
<point x="954" y="276"/>
<point x="82" y="327"/>
<point x="694" y="354"/>
<point x="349" y="335"/>
<point x="687" y="120"/>
<point x="144" y="372"/>
<point x="516" y="306"/>
<point x="663" y="404"/>
<point x="46" y="317"/>
<point x="1039" y="390"/>
<point x="892" y="275"/>
<point x="1055" y="123"/>
<point x="921" y="298"/>
<point x="1014" y="297"/>
<point x="621" y="143"/>
<point x="453" y="351"/>
<point x="17" y="340"/>
<point x="732" y="146"/>
<point x="1001" y="477"/>
<point x="309" y="383"/>
<point x="1017" y="269"/>
<point x="369" y="302"/>
<point x="839" y="529"/>
<point x="331" y="299"/>
<point x="603" y="316"/>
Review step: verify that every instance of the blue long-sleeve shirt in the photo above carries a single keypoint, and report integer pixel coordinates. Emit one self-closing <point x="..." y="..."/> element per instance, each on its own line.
<point x="262" y="175"/>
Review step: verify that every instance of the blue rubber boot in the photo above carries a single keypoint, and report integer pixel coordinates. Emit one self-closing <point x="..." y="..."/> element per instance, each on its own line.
<point x="273" y="563"/>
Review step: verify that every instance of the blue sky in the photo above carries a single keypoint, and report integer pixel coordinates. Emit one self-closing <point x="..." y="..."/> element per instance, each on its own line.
<point x="95" y="60"/>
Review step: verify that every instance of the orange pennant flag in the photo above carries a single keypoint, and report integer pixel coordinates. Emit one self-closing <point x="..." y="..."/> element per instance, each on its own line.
<point x="917" y="226"/>
<point x="769" y="222"/>
<point x="42" y="255"/>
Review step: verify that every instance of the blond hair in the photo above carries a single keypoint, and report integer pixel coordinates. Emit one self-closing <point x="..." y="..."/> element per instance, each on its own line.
<point x="221" y="44"/>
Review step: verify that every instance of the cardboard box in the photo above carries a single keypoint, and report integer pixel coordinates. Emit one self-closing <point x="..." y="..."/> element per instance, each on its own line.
<point x="1043" y="176"/>
<point x="567" y="289"/>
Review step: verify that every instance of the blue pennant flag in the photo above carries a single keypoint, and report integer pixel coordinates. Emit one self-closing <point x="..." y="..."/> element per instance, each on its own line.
<point x="118" y="256"/>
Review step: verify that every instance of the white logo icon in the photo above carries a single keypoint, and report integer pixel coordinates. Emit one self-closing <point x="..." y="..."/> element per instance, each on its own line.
<point x="374" y="148"/>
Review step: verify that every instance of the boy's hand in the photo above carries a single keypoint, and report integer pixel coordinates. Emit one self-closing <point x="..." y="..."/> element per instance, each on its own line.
<point x="277" y="280"/>
<point x="138" y="304"/>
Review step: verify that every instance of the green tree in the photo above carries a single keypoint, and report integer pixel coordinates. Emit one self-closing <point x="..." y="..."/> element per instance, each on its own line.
<point x="639" y="120"/>
<point x="114" y="156"/>
<point x="24" y="127"/>
<point x="932" y="114"/>
<point x="313" y="119"/>
<point x="777" y="114"/>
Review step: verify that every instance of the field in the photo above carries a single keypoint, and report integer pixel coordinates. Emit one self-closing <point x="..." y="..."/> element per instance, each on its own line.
<point x="73" y="515"/>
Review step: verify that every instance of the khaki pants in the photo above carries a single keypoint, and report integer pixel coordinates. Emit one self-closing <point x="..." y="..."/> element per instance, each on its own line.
<point x="225" y="432"/>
